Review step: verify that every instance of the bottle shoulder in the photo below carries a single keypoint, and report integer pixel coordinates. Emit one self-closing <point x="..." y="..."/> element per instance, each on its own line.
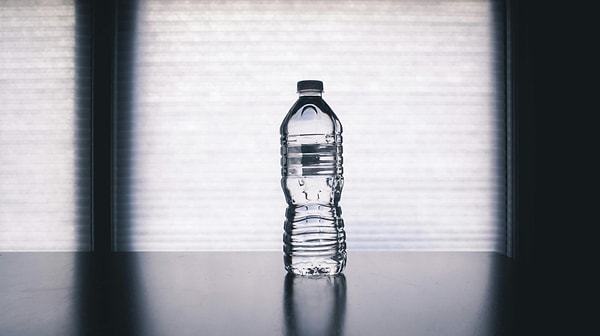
<point x="310" y="115"/>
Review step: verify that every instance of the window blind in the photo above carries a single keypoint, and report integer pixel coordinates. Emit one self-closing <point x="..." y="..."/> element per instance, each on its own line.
<point x="419" y="87"/>
<point x="44" y="130"/>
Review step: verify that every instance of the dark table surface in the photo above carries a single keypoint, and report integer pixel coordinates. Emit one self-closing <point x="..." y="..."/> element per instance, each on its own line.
<point x="248" y="293"/>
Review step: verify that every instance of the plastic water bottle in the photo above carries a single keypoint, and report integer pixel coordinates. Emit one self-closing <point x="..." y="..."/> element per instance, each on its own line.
<point x="314" y="241"/>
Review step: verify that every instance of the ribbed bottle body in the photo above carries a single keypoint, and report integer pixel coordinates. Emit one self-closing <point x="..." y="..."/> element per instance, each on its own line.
<point x="314" y="240"/>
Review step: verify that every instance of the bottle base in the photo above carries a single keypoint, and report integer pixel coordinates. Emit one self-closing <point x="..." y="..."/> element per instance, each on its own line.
<point x="315" y="266"/>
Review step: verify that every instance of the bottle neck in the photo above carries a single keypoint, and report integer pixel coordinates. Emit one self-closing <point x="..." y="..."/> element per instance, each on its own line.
<point x="310" y="93"/>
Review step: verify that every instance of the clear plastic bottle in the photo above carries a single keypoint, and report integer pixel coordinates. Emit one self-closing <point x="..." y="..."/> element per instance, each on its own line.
<point x="314" y="241"/>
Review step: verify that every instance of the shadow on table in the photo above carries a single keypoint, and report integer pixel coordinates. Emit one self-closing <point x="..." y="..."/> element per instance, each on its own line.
<point x="314" y="306"/>
<point x="110" y="300"/>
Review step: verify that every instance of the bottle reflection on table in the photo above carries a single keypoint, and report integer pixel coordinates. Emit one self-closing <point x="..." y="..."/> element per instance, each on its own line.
<point x="314" y="305"/>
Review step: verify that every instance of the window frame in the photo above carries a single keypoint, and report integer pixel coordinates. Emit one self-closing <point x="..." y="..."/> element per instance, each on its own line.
<point x="519" y="123"/>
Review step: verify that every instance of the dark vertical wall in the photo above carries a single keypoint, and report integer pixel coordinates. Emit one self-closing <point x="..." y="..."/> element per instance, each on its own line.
<point x="103" y="48"/>
<point x="554" y="129"/>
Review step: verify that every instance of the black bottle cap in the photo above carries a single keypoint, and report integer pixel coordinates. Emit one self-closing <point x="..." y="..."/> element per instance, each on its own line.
<point x="310" y="85"/>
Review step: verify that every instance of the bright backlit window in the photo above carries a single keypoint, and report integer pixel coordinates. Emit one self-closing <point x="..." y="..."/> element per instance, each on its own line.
<point x="44" y="126"/>
<point x="419" y="87"/>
